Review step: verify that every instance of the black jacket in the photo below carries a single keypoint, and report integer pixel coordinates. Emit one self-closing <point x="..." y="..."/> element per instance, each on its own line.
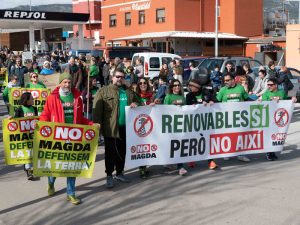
<point x="207" y="96"/>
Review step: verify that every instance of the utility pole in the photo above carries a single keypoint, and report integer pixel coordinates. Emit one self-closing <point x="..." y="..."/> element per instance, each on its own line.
<point x="216" y="28"/>
<point x="89" y="11"/>
<point x="29" y="5"/>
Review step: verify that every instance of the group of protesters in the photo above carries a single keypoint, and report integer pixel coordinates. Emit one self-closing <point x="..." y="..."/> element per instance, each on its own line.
<point x="97" y="94"/>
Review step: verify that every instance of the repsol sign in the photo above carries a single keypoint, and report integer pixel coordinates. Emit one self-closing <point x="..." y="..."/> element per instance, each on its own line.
<point x="24" y="15"/>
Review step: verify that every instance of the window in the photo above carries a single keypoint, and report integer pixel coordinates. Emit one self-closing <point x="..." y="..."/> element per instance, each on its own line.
<point x="113" y="20"/>
<point x="154" y="62"/>
<point x="160" y="16"/>
<point x="142" y="17"/>
<point x="127" y="19"/>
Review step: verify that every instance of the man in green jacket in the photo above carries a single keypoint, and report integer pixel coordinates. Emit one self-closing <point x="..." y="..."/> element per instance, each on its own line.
<point x="109" y="111"/>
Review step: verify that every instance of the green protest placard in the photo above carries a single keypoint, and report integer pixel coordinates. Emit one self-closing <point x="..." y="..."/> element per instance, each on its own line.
<point x="64" y="150"/>
<point x="39" y="95"/>
<point x="18" y="140"/>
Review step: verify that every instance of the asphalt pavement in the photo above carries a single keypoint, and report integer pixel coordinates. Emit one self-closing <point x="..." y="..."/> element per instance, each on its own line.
<point x="259" y="192"/>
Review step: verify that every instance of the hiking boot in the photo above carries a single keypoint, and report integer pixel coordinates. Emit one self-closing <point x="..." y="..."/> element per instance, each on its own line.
<point x="243" y="158"/>
<point x="122" y="178"/>
<point x="212" y="165"/>
<point x="73" y="199"/>
<point x="51" y="190"/>
<point x="182" y="171"/>
<point x="192" y="164"/>
<point x="109" y="182"/>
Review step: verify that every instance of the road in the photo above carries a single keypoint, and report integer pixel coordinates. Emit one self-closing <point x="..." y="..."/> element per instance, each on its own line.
<point x="259" y="192"/>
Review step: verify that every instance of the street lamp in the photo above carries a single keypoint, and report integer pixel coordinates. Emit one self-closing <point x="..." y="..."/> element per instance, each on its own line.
<point x="216" y="29"/>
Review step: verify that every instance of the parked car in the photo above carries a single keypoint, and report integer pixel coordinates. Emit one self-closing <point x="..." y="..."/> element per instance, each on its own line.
<point x="210" y="63"/>
<point x="185" y="64"/>
<point x="294" y="76"/>
<point x="152" y="62"/>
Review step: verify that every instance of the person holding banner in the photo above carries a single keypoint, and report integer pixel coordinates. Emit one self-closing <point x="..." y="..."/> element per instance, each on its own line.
<point x="34" y="81"/>
<point x="233" y="92"/>
<point x="64" y="105"/>
<point x="200" y="95"/>
<point x="25" y="110"/>
<point x="109" y="110"/>
<point x="274" y="94"/>
<point x="143" y="90"/>
<point x="175" y="97"/>
<point x="14" y="82"/>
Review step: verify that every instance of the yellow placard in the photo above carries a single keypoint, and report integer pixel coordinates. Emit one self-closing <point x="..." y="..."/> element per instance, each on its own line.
<point x="64" y="150"/>
<point x="18" y="140"/>
<point x="39" y="95"/>
<point x="3" y="77"/>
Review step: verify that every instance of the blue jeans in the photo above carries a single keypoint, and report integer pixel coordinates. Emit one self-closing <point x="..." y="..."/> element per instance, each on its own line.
<point x="28" y="166"/>
<point x="70" y="184"/>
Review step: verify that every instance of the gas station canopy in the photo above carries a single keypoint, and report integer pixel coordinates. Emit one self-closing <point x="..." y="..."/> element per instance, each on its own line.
<point x="31" y="20"/>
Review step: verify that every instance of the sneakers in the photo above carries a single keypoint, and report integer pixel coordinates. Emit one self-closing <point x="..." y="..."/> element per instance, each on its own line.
<point x="271" y="156"/>
<point x="182" y="171"/>
<point x="109" y="182"/>
<point x="29" y="173"/>
<point x="122" y="178"/>
<point x="74" y="200"/>
<point x="51" y="190"/>
<point x="243" y="158"/>
<point x="192" y="164"/>
<point x="212" y="165"/>
<point x="143" y="172"/>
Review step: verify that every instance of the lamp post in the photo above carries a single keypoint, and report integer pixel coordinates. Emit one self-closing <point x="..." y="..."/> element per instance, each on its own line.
<point x="216" y="29"/>
<point x="29" y="5"/>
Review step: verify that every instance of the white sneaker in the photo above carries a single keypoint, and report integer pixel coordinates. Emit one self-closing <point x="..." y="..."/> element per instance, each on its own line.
<point x="243" y="158"/>
<point x="182" y="171"/>
<point x="226" y="159"/>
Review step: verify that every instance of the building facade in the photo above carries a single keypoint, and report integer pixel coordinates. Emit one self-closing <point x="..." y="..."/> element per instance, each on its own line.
<point x="185" y="27"/>
<point x="93" y="27"/>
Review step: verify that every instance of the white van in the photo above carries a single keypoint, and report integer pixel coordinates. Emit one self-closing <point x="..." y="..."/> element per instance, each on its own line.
<point x="152" y="62"/>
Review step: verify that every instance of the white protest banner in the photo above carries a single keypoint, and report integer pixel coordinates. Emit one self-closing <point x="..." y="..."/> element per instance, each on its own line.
<point x="166" y="134"/>
<point x="27" y="57"/>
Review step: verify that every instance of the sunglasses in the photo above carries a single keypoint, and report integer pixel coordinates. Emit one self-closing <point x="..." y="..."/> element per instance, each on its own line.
<point x="176" y="85"/>
<point x="119" y="77"/>
<point x="270" y="85"/>
<point x="34" y="76"/>
<point x="142" y="83"/>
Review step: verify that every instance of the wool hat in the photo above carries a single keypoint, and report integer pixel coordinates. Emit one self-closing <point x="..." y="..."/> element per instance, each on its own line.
<point x="195" y="82"/>
<point x="64" y="76"/>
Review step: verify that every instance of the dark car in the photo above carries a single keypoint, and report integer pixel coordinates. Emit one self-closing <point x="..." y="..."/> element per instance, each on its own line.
<point x="294" y="76"/>
<point x="210" y="63"/>
<point x="185" y="64"/>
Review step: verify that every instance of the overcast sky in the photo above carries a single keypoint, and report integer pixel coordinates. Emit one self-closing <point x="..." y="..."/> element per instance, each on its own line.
<point x="6" y="4"/>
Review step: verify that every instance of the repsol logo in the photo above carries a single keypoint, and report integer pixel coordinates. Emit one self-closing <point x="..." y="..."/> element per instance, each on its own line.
<point x="24" y="14"/>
